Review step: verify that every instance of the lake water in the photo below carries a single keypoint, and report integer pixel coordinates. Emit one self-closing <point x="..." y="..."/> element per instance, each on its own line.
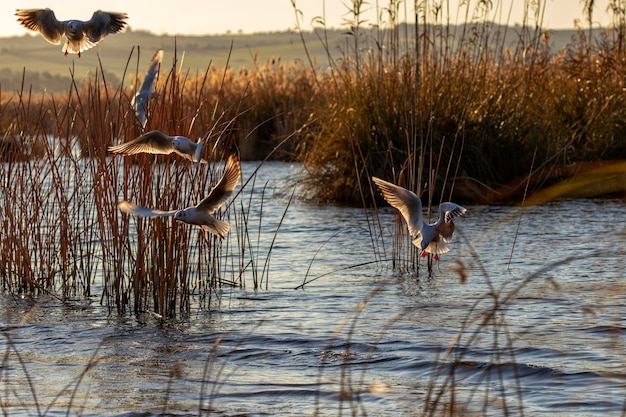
<point x="360" y="338"/>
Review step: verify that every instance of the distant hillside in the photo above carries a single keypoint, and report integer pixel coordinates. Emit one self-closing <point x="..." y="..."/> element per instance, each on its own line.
<point x="47" y="68"/>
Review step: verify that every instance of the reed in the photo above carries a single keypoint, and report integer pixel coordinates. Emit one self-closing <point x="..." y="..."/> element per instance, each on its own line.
<point x="419" y="96"/>
<point x="458" y="109"/>
<point x="62" y="231"/>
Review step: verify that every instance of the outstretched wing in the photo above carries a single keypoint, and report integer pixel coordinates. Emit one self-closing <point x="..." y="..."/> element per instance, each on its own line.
<point x="43" y="21"/>
<point x="217" y="227"/>
<point x="151" y="73"/>
<point x="103" y="23"/>
<point x="130" y="208"/>
<point x="140" y="101"/>
<point x="155" y="142"/>
<point x="409" y="204"/>
<point x="449" y="211"/>
<point x="224" y="188"/>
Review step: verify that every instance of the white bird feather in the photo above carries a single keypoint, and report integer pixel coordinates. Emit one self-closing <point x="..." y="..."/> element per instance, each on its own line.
<point x="429" y="238"/>
<point x="157" y="142"/>
<point x="139" y="102"/>
<point x="80" y="35"/>
<point x="201" y="215"/>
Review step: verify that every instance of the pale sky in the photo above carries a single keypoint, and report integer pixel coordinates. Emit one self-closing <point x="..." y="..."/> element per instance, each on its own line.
<point x="199" y="17"/>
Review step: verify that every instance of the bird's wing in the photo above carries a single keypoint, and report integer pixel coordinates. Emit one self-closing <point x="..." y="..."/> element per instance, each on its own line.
<point x="130" y="208"/>
<point x="43" y="21"/>
<point x="197" y="157"/>
<point x="155" y="142"/>
<point x="446" y="230"/>
<point x="151" y="73"/>
<point x="405" y="201"/>
<point x="103" y="23"/>
<point x="217" y="227"/>
<point x="224" y="188"/>
<point x="448" y="211"/>
<point x="417" y="240"/>
<point x="139" y="102"/>
<point x="451" y="211"/>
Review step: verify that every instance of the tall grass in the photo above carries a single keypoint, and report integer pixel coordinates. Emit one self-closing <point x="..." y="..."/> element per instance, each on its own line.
<point x="460" y="109"/>
<point x="62" y="231"/>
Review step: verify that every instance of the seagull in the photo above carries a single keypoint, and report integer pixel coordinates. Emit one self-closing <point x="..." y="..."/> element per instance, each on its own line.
<point x="80" y="35"/>
<point x="202" y="214"/>
<point x="139" y="103"/>
<point x="429" y="238"/>
<point x="157" y="142"/>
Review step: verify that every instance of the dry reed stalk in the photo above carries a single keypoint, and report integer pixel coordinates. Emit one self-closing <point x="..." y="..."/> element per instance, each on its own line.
<point x="450" y="111"/>
<point x="63" y="228"/>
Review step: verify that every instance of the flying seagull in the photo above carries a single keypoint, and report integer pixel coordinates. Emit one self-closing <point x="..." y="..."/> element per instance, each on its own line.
<point x="157" y="142"/>
<point x="202" y="214"/>
<point x="429" y="238"/>
<point x="80" y="35"/>
<point x="140" y="100"/>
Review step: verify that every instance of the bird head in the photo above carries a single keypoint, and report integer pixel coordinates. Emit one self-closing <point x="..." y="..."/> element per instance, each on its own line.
<point x="177" y="142"/>
<point x="180" y="215"/>
<point x="73" y="30"/>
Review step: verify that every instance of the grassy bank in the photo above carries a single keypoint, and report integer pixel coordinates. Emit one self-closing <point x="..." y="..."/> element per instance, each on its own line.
<point x="459" y="113"/>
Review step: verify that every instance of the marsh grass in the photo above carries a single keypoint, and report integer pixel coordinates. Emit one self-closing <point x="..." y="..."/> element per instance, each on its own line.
<point x="62" y="232"/>
<point x="428" y="109"/>
<point x="459" y="111"/>
<point x="437" y="101"/>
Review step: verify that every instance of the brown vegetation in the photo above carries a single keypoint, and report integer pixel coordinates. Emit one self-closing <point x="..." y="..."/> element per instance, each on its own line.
<point x="431" y="101"/>
<point x="58" y="204"/>
<point x="448" y="112"/>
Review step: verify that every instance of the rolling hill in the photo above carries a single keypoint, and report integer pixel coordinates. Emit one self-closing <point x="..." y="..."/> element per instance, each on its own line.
<point x="127" y="53"/>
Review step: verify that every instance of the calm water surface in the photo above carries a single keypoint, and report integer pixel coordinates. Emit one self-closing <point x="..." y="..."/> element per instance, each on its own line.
<point x="362" y="339"/>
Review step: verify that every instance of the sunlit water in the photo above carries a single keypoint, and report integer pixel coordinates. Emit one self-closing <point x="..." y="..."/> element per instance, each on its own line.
<point x="359" y="338"/>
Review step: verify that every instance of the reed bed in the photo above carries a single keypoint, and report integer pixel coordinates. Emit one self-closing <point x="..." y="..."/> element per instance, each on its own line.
<point x="467" y="112"/>
<point x="463" y="110"/>
<point x="448" y="111"/>
<point x="62" y="231"/>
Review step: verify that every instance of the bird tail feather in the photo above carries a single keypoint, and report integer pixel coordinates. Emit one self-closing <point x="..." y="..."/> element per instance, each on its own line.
<point x="217" y="227"/>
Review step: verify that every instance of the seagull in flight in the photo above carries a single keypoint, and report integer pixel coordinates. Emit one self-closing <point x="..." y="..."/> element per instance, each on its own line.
<point x="139" y="102"/>
<point x="157" y="142"/>
<point x="429" y="238"/>
<point x="202" y="215"/>
<point x="79" y="35"/>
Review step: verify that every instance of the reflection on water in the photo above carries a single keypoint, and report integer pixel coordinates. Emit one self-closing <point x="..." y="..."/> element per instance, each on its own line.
<point x="320" y="350"/>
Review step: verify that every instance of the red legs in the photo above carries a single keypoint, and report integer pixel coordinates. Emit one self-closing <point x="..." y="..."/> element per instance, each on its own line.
<point x="425" y="254"/>
<point x="434" y="257"/>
